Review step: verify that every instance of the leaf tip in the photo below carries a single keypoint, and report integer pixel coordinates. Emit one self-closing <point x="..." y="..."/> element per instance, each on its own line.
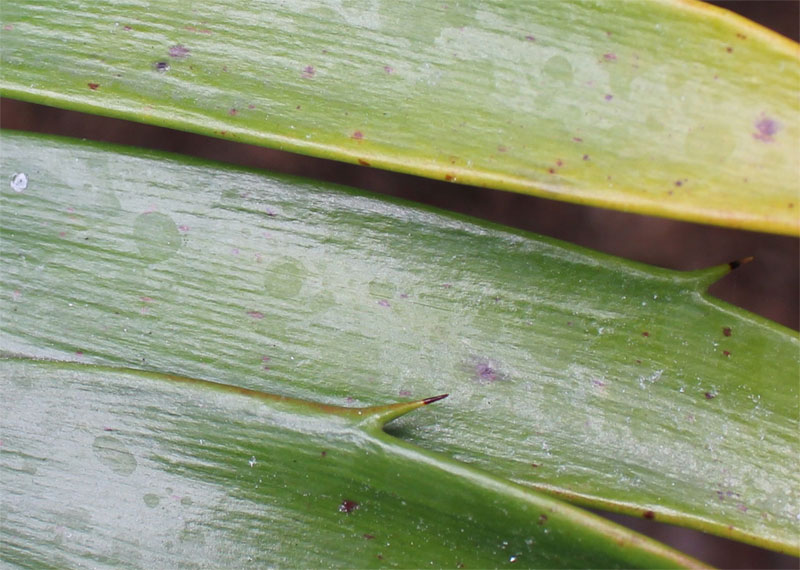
<point x="382" y="415"/>
<point x="427" y="401"/>
<point x="739" y="262"/>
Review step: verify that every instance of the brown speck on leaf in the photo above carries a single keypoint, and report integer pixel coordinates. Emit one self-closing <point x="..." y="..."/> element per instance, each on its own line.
<point x="534" y="465"/>
<point x="502" y="148"/>
<point x="610" y="57"/>
<point x="530" y="38"/>
<point x="368" y="536"/>
<point x="729" y="49"/>
<point x="645" y="333"/>
<point x="726" y="352"/>
<point x="178" y="51"/>
<point x="363" y="162"/>
<point x="309" y="71"/>
<point x="585" y="157"/>
<point x="93" y="86"/>
<point x="127" y="28"/>
<point x="323" y="453"/>
<point x="577" y="139"/>
<point x="741" y="36"/>
<point x="233" y="112"/>
<point x="766" y="129"/>
<point x="348" y="506"/>
<point x="559" y="163"/>
<point x="449" y="177"/>
<point x="649" y="515"/>
<point x="726" y="331"/>
<point x="551" y="170"/>
<point x="542" y="519"/>
<point x="679" y="183"/>
<point x="251" y="106"/>
<point x="710" y="396"/>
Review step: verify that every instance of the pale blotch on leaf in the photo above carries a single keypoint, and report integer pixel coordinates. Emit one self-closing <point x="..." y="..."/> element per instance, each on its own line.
<point x="156" y="235"/>
<point x="558" y="68"/>
<point x="151" y="500"/>
<point x="711" y="142"/>
<point x="285" y="278"/>
<point x="112" y="453"/>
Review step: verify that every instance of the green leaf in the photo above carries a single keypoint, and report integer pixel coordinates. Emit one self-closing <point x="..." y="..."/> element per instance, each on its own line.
<point x="669" y="108"/>
<point x="609" y="382"/>
<point x="114" y="467"/>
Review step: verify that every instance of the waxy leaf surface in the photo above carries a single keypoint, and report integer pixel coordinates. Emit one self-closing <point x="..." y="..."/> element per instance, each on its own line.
<point x="106" y="467"/>
<point x="670" y="108"/>
<point x="612" y="383"/>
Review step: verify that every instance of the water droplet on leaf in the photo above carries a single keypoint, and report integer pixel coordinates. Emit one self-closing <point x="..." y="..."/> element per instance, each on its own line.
<point x="19" y="182"/>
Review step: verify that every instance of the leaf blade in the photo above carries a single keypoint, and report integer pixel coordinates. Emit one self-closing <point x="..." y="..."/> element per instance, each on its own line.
<point x="567" y="369"/>
<point x="673" y="109"/>
<point x="207" y="474"/>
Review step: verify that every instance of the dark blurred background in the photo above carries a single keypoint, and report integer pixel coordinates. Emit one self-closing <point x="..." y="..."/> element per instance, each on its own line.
<point x="769" y="286"/>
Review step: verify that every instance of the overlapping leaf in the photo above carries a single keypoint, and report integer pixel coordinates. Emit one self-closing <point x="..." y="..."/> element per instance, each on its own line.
<point x="107" y="467"/>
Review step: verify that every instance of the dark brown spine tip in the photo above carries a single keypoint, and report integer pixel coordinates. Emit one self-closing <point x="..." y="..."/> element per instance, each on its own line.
<point x="427" y="401"/>
<point x="734" y="264"/>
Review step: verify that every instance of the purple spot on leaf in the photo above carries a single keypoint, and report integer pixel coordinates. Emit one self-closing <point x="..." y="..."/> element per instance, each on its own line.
<point x="610" y="56"/>
<point x="767" y="128"/>
<point x="384" y="303"/>
<point x="255" y="314"/>
<point x="178" y="51"/>
<point x="309" y="72"/>
<point x="609" y="97"/>
<point x="486" y="372"/>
